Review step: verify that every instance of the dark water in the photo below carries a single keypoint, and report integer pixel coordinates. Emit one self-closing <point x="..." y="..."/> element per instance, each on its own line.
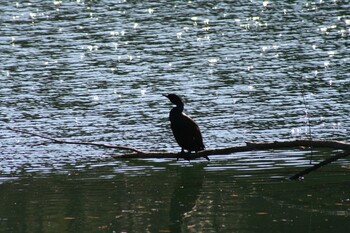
<point x="248" y="70"/>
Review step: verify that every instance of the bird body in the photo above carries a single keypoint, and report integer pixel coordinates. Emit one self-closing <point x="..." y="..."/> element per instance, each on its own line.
<point x="186" y="132"/>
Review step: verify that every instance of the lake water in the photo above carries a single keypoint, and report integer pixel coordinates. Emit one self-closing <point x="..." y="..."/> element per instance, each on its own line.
<point x="247" y="70"/>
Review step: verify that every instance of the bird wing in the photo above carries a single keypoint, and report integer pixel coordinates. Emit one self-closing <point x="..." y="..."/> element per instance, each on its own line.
<point x="191" y="133"/>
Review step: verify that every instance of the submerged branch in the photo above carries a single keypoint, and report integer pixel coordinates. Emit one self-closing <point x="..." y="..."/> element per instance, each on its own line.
<point x="320" y="164"/>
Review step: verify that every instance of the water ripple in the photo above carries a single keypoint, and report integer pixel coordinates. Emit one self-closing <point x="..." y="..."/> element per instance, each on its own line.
<point x="95" y="71"/>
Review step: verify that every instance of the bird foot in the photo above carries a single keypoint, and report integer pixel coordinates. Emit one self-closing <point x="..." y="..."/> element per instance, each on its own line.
<point x="185" y="155"/>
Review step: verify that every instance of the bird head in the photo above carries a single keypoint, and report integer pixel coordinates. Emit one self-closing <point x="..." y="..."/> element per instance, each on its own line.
<point x="175" y="99"/>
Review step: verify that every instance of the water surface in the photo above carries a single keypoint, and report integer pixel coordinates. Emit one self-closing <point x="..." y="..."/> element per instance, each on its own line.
<point x="247" y="70"/>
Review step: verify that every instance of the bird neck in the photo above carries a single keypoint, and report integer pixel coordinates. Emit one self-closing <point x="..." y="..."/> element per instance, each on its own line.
<point x="175" y="111"/>
<point x="179" y="107"/>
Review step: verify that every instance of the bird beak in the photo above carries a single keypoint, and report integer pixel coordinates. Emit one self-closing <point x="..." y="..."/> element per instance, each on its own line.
<point x="165" y="95"/>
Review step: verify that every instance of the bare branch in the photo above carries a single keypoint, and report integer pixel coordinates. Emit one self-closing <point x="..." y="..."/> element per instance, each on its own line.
<point x="301" y="143"/>
<point x="250" y="146"/>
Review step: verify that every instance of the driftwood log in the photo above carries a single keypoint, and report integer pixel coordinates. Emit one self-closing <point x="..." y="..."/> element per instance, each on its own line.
<point x="250" y="146"/>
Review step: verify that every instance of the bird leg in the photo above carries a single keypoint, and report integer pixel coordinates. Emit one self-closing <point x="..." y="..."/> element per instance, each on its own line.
<point x="182" y="154"/>
<point x="185" y="155"/>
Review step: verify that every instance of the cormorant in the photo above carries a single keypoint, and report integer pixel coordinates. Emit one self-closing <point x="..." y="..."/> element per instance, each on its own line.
<point x="186" y="132"/>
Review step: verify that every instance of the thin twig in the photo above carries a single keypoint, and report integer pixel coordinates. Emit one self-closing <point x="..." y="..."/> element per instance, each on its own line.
<point x="60" y="141"/>
<point x="307" y="120"/>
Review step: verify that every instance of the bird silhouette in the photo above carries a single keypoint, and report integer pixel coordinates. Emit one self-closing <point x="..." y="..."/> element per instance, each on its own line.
<point x="186" y="132"/>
